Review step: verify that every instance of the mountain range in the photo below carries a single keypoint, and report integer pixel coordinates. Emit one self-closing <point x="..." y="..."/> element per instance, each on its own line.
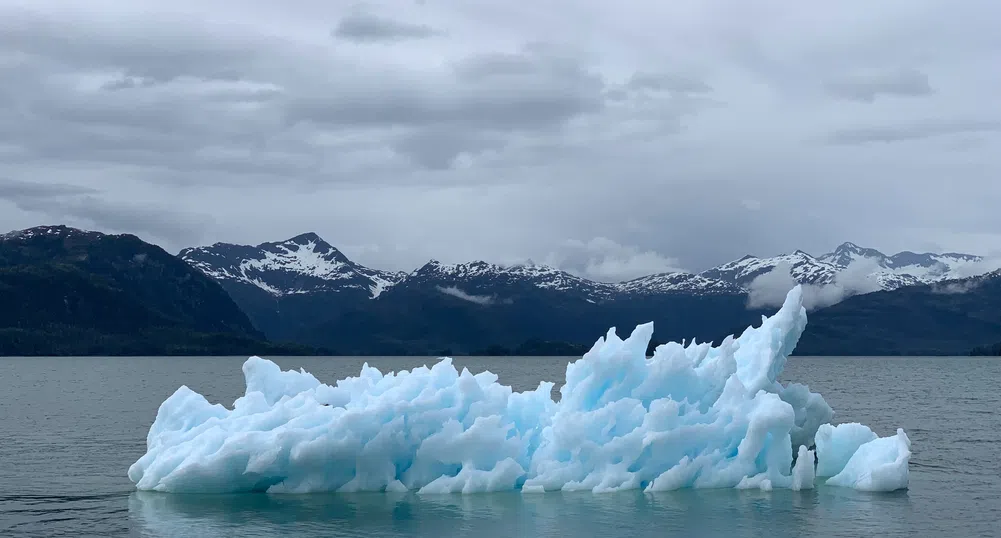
<point x="305" y="290"/>
<point x="306" y="264"/>
<point x="303" y="293"/>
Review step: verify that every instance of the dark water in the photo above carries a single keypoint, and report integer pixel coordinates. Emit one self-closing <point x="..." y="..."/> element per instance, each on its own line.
<point x="69" y="429"/>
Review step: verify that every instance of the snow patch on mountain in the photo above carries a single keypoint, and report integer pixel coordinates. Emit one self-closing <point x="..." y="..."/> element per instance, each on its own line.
<point x="905" y="268"/>
<point x="887" y="272"/>
<point x="306" y="264"/>
<point x="474" y="277"/>
<point x="303" y="264"/>
<point x="302" y="259"/>
<point x="678" y="282"/>
<point x="803" y="267"/>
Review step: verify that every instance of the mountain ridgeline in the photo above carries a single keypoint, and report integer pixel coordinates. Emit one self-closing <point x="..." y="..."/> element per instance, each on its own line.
<point x="73" y="292"/>
<point x="305" y="290"/>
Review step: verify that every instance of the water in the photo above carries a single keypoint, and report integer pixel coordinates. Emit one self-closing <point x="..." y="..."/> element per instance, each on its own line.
<point x="70" y="427"/>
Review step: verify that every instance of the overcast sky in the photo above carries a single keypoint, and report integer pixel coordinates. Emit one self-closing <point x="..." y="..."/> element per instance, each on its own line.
<point x="611" y="138"/>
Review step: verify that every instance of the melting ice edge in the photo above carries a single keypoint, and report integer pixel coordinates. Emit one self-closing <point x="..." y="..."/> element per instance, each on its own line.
<point x="690" y="416"/>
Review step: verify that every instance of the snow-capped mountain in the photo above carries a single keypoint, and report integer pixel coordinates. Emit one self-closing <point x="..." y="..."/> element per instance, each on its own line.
<point x="50" y="231"/>
<point x="803" y="267"/>
<point x="889" y="272"/>
<point x="484" y="278"/>
<point x="904" y="268"/>
<point x="481" y="277"/>
<point x="847" y="253"/>
<point x="300" y="265"/>
<point x="679" y="282"/>
<point x="306" y="264"/>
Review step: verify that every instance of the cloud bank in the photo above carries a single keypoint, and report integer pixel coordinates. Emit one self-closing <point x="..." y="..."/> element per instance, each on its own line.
<point x="769" y="289"/>
<point x="687" y="133"/>
<point x="478" y="299"/>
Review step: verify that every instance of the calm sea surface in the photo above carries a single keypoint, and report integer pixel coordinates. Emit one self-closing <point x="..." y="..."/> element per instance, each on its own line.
<point x="70" y="428"/>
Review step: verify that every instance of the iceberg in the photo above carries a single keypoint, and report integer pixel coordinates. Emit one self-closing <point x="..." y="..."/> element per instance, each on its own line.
<point x="690" y="416"/>
<point x="837" y="444"/>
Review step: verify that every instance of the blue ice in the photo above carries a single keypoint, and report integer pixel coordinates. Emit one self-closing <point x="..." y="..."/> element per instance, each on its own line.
<point x="692" y="416"/>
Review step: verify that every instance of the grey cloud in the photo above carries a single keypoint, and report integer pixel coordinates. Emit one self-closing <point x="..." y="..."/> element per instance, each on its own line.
<point x="163" y="50"/>
<point x="539" y="92"/>
<point x="955" y="288"/>
<point x="21" y="190"/>
<point x="366" y="27"/>
<point x="257" y="116"/>
<point x="485" y="107"/>
<point x="128" y="82"/>
<point x="616" y="94"/>
<point x="497" y="65"/>
<point x="606" y="260"/>
<point x="163" y="118"/>
<point x="866" y="87"/>
<point x="667" y="82"/>
<point x="533" y="59"/>
<point x="911" y="131"/>
<point x="158" y="224"/>
<point x="437" y="148"/>
<point x="483" y="101"/>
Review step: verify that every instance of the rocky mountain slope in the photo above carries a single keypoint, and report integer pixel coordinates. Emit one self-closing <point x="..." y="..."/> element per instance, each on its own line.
<point x="67" y="291"/>
<point x="288" y="286"/>
<point x="303" y="264"/>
